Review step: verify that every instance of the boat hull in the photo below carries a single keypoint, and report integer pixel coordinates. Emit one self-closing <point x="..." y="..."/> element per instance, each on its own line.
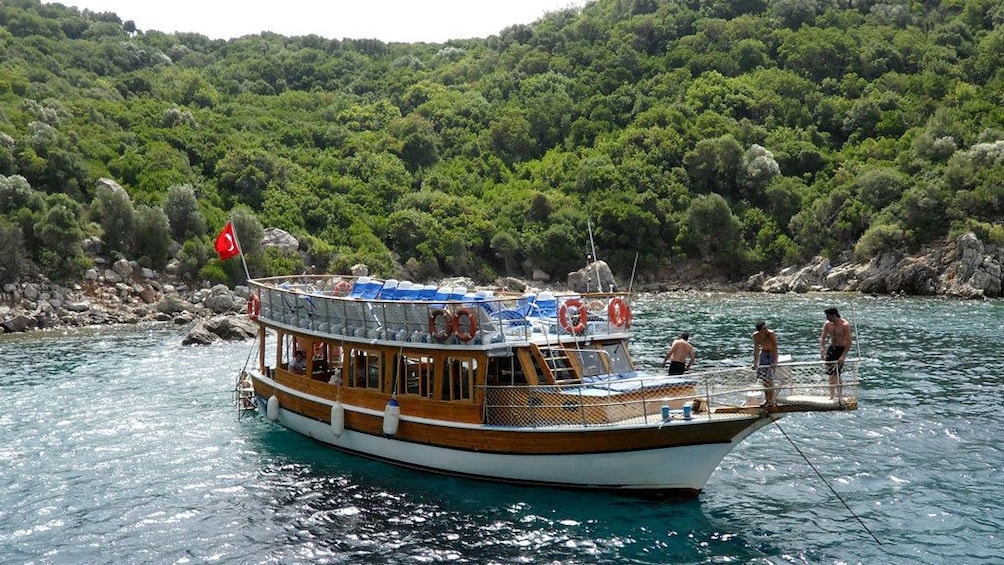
<point x="672" y="458"/>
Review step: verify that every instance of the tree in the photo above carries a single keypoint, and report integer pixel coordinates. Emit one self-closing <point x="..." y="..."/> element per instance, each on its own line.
<point x="712" y="230"/>
<point x="12" y="248"/>
<point x="183" y="215"/>
<point x="153" y="236"/>
<point x="112" y="208"/>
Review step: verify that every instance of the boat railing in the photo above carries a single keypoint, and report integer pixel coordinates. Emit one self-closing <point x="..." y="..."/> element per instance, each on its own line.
<point x="339" y="306"/>
<point x="646" y="399"/>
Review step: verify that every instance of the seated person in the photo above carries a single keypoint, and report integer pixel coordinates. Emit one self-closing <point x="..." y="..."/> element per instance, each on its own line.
<point x="298" y="364"/>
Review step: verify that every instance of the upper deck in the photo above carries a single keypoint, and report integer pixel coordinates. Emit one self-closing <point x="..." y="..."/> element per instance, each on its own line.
<point x="374" y="311"/>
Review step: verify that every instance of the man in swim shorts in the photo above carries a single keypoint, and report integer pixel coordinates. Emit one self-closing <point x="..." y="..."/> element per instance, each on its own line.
<point x="765" y="359"/>
<point x="838" y="331"/>
<point x="681" y="355"/>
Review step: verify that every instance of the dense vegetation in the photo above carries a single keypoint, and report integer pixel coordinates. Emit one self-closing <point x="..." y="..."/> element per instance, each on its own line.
<point x="745" y="133"/>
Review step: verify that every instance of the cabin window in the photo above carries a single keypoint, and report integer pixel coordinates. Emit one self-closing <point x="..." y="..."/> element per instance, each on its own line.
<point x="458" y="378"/>
<point x="365" y="369"/>
<point x="413" y="375"/>
<point x="505" y="371"/>
<point x="592" y="362"/>
<point x="617" y="354"/>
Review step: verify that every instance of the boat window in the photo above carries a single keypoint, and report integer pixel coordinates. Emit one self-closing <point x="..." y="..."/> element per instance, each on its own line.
<point x="591" y="361"/>
<point x="413" y="375"/>
<point x="458" y="378"/>
<point x="620" y="361"/>
<point x="365" y="369"/>
<point x="505" y="371"/>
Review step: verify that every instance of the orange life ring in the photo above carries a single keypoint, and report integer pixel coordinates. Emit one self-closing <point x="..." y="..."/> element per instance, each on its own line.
<point x="472" y="324"/>
<point x="343" y="288"/>
<point x="578" y="327"/>
<point x="254" y="307"/>
<point x="619" y="313"/>
<point x="440" y="331"/>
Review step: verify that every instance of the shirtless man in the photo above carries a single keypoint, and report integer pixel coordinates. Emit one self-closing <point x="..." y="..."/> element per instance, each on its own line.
<point x="680" y="355"/>
<point x="765" y="359"/>
<point x="838" y="330"/>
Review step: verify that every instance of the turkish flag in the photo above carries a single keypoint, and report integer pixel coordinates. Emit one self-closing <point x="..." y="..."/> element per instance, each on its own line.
<point x="226" y="243"/>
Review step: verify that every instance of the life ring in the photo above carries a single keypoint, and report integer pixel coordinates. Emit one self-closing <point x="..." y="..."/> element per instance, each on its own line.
<point x="619" y="313"/>
<point x="318" y="349"/>
<point x="472" y="324"/>
<point x="343" y="288"/>
<point x="254" y="307"/>
<point x="578" y="327"/>
<point x="440" y="324"/>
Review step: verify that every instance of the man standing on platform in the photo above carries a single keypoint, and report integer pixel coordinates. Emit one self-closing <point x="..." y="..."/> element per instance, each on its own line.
<point x="838" y="331"/>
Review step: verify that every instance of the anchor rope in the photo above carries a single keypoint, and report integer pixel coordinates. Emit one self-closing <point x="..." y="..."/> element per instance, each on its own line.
<point x="825" y="482"/>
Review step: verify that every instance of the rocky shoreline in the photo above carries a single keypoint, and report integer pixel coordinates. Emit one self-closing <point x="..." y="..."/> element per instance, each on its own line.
<point x="965" y="268"/>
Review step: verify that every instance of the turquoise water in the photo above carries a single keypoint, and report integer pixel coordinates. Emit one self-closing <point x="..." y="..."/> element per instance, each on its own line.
<point x="122" y="446"/>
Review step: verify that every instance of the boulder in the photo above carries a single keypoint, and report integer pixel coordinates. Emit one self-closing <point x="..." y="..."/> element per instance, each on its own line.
<point x="221" y="327"/>
<point x="595" y="277"/>
<point x="19" y="323"/>
<point x="280" y="239"/>
<point x="173" y="304"/>
<point x="122" y="268"/>
<point x="219" y="299"/>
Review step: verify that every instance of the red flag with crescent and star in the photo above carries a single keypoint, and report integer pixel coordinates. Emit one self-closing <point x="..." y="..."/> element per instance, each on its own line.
<point x="226" y="243"/>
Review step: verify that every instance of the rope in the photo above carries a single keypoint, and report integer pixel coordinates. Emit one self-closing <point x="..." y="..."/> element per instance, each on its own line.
<point x="820" y="475"/>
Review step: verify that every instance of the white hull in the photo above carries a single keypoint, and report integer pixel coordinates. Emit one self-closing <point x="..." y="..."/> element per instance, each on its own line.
<point x="680" y="468"/>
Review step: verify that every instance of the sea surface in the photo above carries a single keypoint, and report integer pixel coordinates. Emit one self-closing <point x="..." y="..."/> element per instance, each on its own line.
<point x="123" y="446"/>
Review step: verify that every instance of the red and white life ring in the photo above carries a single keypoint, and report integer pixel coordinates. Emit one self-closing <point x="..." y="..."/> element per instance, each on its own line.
<point x="563" y="318"/>
<point x="254" y="307"/>
<point x="619" y="313"/>
<point x="471" y="330"/>
<point x="440" y="324"/>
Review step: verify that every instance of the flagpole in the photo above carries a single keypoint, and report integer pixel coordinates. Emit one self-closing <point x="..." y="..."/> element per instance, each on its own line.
<point x="237" y="240"/>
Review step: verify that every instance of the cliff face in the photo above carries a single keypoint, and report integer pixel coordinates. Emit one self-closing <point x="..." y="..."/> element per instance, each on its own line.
<point x="964" y="268"/>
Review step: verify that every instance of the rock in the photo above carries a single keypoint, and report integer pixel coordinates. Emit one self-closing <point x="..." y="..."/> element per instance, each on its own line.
<point x="219" y="299"/>
<point x="112" y="277"/>
<point x="511" y="283"/>
<point x="91" y="246"/>
<point x="173" y="304"/>
<point x="360" y="270"/>
<point x="122" y="268"/>
<point x="19" y="323"/>
<point x="77" y="306"/>
<point x="595" y="277"/>
<point x="147" y="273"/>
<point x="232" y="328"/>
<point x="540" y="276"/>
<point x="91" y="274"/>
<point x="199" y="335"/>
<point x="31" y="292"/>
<point x="148" y="294"/>
<point x="221" y="327"/>
<point x="280" y="239"/>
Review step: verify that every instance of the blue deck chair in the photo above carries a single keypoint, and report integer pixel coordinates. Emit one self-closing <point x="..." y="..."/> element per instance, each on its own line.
<point x="372" y="289"/>
<point x="428" y="292"/>
<point x="359" y="287"/>
<point x="389" y="290"/>
<point x="407" y="290"/>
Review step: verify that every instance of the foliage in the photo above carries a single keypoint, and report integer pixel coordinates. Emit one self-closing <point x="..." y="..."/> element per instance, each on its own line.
<point x="182" y="210"/>
<point x="749" y="134"/>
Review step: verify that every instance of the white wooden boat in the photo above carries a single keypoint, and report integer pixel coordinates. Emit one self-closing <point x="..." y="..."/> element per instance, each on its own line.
<point x="531" y="389"/>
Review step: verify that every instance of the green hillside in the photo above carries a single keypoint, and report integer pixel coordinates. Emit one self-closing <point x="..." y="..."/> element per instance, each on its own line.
<point x="749" y="134"/>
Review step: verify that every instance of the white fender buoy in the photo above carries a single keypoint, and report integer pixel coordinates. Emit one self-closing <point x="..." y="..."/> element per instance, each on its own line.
<point x="391" y="417"/>
<point x="272" y="408"/>
<point x="337" y="418"/>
